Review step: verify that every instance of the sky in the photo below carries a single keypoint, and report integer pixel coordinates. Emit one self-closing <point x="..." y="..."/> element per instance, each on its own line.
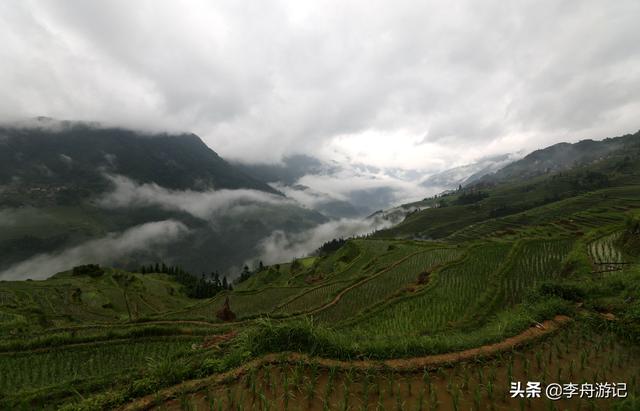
<point x="405" y="84"/>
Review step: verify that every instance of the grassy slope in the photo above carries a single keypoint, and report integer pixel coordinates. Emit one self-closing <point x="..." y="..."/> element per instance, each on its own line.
<point x="516" y="198"/>
<point x="65" y="300"/>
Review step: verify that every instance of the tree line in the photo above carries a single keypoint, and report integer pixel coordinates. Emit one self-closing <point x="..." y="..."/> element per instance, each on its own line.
<point x="195" y="287"/>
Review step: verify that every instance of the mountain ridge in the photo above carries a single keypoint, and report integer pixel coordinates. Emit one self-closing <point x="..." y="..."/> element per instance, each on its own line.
<point x="79" y="154"/>
<point x="563" y="156"/>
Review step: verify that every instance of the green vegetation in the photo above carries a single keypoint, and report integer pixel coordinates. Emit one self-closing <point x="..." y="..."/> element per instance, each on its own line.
<point x="68" y="299"/>
<point x="313" y="298"/>
<point x="451" y="296"/>
<point x="386" y="283"/>
<point x="534" y="262"/>
<point x="35" y="370"/>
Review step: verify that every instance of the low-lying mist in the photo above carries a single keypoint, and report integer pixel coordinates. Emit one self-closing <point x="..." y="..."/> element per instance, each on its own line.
<point x="104" y="250"/>
<point x="281" y="246"/>
<point x="205" y="205"/>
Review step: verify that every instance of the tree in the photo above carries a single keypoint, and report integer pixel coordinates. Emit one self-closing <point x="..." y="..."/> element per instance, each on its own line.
<point x="245" y="274"/>
<point x="92" y="270"/>
<point x="194" y="287"/>
<point x="332" y="245"/>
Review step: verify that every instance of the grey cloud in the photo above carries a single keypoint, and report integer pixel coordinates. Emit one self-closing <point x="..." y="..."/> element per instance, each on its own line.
<point x="259" y="80"/>
<point x="105" y="250"/>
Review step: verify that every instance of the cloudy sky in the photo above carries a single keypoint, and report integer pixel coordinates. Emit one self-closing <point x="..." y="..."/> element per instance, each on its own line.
<point x="408" y="84"/>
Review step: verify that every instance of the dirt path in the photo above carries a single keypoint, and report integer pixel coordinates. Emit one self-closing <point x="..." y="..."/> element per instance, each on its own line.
<point x="400" y="365"/>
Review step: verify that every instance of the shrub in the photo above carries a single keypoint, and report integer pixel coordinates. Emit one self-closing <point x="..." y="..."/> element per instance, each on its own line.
<point x="565" y="291"/>
<point x="92" y="270"/>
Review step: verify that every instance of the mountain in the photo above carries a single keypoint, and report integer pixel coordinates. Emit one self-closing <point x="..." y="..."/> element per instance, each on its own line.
<point x="562" y="157"/>
<point x="78" y="191"/>
<point x="466" y="174"/>
<point x="66" y="160"/>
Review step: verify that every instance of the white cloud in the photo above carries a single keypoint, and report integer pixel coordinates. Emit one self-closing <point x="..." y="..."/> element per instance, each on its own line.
<point x="202" y="204"/>
<point x="281" y="246"/>
<point x="105" y="250"/>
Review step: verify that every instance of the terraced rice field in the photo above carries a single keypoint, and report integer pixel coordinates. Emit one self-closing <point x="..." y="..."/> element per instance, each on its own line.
<point x="534" y="262"/>
<point x="314" y="298"/>
<point x="384" y="285"/>
<point x="375" y="255"/>
<point x="604" y="251"/>
<point x="34" y="370"/>
<point x="450" y="295"/>
<point x="577" y="214"/>
<point x="243" y="303"/>
<point x="571" y="355"/>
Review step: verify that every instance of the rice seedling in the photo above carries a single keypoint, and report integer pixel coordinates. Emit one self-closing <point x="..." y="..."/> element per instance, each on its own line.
<point x="421" y="393"/>
<point x="383" y="285"/>
<point x="450" y="297"/>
